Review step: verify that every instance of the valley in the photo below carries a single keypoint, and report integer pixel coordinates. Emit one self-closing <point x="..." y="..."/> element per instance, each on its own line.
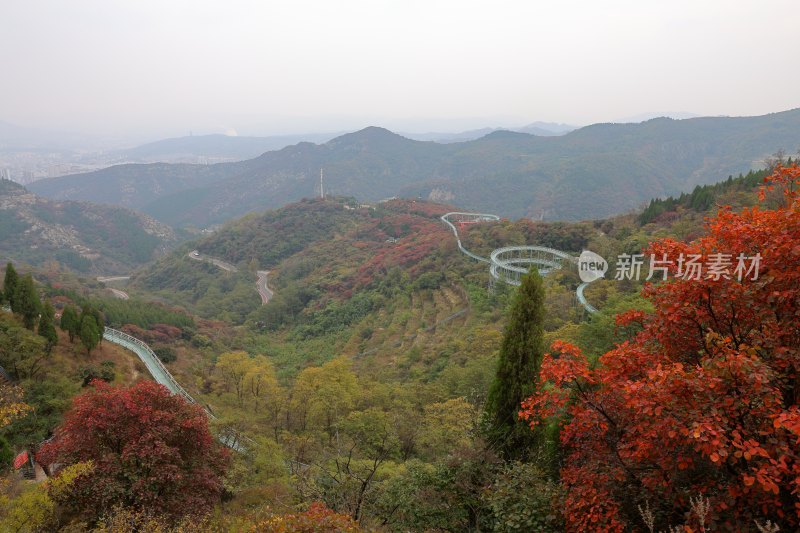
<point x="327" y="322"/>
<point x="399" y="267"/>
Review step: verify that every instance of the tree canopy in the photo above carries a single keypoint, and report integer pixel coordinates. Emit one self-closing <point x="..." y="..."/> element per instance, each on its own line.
<point x="150" y="449"/>
<point x="703" y="401"/>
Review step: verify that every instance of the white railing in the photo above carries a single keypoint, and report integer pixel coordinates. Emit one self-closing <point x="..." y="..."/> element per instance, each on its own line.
<point x="150" y="359"/>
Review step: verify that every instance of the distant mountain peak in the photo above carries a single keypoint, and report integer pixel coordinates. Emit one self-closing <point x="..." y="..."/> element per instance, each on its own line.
<point x="506" y="134"/>
<point x="367" y="136"/>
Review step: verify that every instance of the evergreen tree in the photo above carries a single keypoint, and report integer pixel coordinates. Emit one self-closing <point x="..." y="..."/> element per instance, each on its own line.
<point x="10" y="284"/>
<point x="47" y="328"/>
<point x="89" y="334"/>
<point x="90" y="313"/>
<point x="69" y="322"/>
<point x="517" y="372"/>
<point x="26" y="301"/>
<point x="100" y="322"/>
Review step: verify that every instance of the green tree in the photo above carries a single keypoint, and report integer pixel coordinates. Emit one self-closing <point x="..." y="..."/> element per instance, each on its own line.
<point x="10" y="284"/>
<point x="233" y="367"/>
<point x="69" y="322"/>
<point x="447" y="425"/>
<point x="89" y="312"/>
<point x="517" y="372"/>
<point x="26" y="301"/>
<point x="100" y="322"/>
<point x="21" y="351"/>
<point x="522" y="499"/>
<point x="166" y="354"/>
<point x="322" y="396"/>
<point x="89" y="334"/>
<point x="47" y="327"/>
<point x="6" y="454"/>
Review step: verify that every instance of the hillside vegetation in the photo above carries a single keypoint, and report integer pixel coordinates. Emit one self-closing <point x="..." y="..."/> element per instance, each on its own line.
<point x="87" y="238"/>
<point x="361" y="386"/>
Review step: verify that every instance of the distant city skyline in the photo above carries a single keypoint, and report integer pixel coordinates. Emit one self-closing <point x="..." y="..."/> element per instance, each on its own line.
<point x="156" y="69"/>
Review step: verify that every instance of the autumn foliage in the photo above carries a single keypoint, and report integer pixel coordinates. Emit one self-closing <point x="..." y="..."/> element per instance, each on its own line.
<point x="151" y="450"/>
<point x="702" y="400"/>
<point x="317" y="519"/>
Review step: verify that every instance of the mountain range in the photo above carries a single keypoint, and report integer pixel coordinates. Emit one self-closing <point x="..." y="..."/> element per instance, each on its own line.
<point x="218" y="148"/>
<point x="592" y="172"/>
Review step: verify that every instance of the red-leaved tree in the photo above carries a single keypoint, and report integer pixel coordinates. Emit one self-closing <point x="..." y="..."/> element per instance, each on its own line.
<point x="702" y="402"/>
<point x="151" y="450"/>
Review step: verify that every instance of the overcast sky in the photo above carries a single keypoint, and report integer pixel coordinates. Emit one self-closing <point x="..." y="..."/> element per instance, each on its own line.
<point x="257" y="67"/>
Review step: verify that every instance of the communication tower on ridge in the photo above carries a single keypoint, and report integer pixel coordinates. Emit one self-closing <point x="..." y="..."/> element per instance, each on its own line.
<point x="321" y="189"/>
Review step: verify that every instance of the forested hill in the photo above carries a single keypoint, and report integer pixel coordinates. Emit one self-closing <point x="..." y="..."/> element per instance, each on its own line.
<point x="326" y="249"/>
<point x="85" y="237"/>
<point x="593" y="172"/>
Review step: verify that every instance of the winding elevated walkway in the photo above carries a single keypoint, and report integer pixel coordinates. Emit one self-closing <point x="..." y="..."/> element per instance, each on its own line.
<point x="161" y="375"/>
<point x="508" y="264"/>
<point x="463" y="219"/>
<point x="149" y="358"/>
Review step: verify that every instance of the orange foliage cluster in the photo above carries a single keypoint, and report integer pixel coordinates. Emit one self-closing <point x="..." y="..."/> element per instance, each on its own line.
<point x="317" y="519"/>
<point x="156" y="333"/>
<point x="702" y="400"/>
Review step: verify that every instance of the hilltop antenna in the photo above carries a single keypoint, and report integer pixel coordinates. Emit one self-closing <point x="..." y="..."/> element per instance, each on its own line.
<point x="321" y="189"/>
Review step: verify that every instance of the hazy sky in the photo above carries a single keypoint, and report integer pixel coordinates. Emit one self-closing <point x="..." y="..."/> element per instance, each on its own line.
<point x="256" y="67"/>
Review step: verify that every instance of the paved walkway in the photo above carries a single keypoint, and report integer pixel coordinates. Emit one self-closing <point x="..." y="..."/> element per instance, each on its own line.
<point x="261" y="286"/>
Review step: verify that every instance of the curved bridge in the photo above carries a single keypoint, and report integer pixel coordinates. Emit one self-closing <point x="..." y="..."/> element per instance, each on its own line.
<point x="227" y="436"/>
<point x="510" y="263"/>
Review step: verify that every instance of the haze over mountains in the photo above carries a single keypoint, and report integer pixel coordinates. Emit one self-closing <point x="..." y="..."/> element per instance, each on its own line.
<point x="592" y="172"/>
<point x="29" y="154"/>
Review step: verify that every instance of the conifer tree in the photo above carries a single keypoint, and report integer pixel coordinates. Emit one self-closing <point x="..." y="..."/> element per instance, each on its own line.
<point x="89" y="334"/>
<point x="47" y="328"/>
<point x="26" y="301"/>
<point x="10" y="284"/>
<point x="90" y="313"/>
<point x="521" y="354"/>
<point x="100" y="321"/>
<point x="69" y="322"/>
